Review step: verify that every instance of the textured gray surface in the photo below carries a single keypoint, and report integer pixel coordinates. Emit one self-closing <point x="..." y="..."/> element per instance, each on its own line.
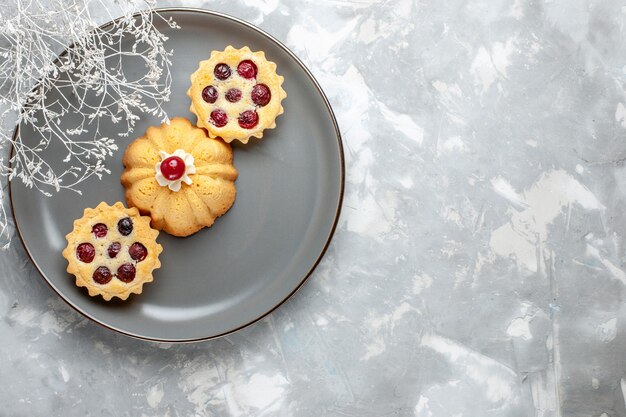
<point x="478" y="265"/>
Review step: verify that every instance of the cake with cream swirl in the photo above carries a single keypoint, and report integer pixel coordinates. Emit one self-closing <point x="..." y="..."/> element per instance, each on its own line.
<point x="180" y="177"/>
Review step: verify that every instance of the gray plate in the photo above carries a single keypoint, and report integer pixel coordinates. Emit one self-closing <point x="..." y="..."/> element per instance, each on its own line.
<point x="221" y="279"/>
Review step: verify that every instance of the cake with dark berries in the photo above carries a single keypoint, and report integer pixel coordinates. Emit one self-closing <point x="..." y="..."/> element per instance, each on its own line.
<point x="112" y="251"/>
<point x="180" y="177"/>
<point x="236" y="94"/>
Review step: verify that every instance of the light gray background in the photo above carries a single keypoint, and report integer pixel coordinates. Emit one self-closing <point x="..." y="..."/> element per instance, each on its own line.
<point x="477" y="269"/>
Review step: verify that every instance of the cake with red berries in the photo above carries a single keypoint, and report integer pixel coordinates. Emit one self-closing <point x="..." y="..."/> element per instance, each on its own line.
<point x="180" y="177"/>
<point x="236" y="94"/>
<point x="112" y="251"/>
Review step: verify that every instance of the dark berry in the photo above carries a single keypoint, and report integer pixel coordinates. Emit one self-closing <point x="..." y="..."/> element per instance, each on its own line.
<point x="138" y="252"/>
<point x="233" y="95"/>
<point x="173" y="168"/>
<point x="219" y="118"/>
<point x="125" y="226"/>
<point x="99" y="230"/>
<point x="114" y="249"/>
<point x="85" y="252"/>
<point x="126" y="273"/>
<point x="221" y="71"/>
<point x="248" y="119"/>
<point x="261" y="95"/>
<point x="102" y="275"/>
<point x="209" y="94"/>
<point x="247" y="69"/>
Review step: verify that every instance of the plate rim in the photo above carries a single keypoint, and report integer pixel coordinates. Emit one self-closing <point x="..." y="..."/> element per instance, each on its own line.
<point x="331" y="232"/>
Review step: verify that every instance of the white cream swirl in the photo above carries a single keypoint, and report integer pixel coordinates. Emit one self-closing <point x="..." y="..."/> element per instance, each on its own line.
<point x="190" y="168"/>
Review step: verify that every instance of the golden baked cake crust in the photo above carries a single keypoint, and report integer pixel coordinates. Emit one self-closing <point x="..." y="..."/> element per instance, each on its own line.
<point x="115" y="238"/>
<point x="205" y="190"/>
<point x="256" y="90"/>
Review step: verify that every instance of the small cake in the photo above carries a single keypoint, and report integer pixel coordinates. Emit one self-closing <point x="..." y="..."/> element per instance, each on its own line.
<point x="112" y="251"/>
<point x="180" y="177"/>
<point x="236" y="94"/>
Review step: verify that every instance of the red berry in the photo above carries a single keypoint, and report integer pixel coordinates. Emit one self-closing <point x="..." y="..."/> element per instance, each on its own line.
<point x="219" y="118"/>
<point x="138" y="252"/>
<point x="221" y="71"/>
<point x="261" y="95"/>
<point x="125" y="226"/>
<point x="248" y="119"/>
<point x="126" y="273"/>
<point x="233" y="95"/>
<point x="114" y="249"/>
<point x="173" y="168"/>
<point x="99" y="230"/>
<point x="102" y="275"/>
<point x="247" y="69"/>
<point x="85" y="252"/>
<point x="209" y="94"/>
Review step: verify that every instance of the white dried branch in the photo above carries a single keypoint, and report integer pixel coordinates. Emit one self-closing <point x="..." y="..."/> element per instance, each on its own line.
<point x="88" y="84"/>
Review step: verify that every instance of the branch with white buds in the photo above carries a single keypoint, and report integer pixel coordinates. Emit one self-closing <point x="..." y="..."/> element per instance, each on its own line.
<point x="66" y="100"/>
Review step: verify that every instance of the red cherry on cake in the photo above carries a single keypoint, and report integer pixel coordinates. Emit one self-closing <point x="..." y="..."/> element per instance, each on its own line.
<point x="85" y="252"/>
<point x="137" y="252"/>
<point x="219" y="118"/>
<point x="126" y="273"/>
<point x="248" y="119"/>
<point x="99" y="230"/>
<point x="209" y="94"/>
<point x="247" y="69"/>
<point x="261" y="95"/>
<point x="173" y="168"/>
<point x="102" y="275"/>
<point x="113" y="249"/>
<point x="221" y="71"/>
<point x="233" y="95"/>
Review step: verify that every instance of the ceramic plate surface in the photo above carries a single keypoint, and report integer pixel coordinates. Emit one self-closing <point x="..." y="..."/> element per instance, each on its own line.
<point x="221" y="279"/>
